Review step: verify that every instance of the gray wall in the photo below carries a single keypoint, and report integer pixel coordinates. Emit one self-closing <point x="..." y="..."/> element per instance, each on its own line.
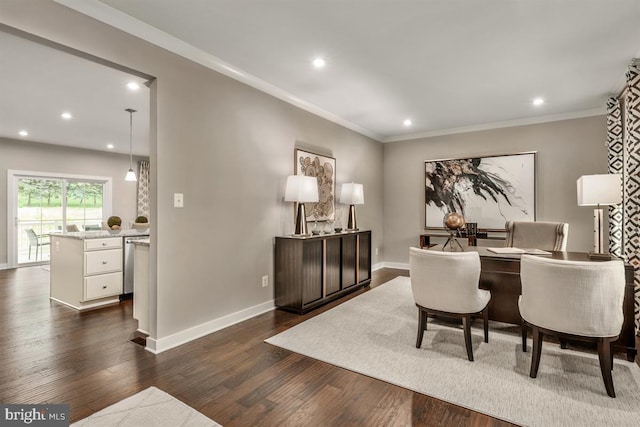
<point x="31" y="156"/>
<point x="566" y="150"/>
<point x="228" y="148"/>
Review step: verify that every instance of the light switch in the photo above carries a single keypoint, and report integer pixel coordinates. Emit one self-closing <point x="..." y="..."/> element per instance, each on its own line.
<point x="178" y="200"/>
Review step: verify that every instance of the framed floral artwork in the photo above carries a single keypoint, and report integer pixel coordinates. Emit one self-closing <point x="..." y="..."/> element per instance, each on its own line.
<point x="488" y="191"/>
<point x="323" y="168"/>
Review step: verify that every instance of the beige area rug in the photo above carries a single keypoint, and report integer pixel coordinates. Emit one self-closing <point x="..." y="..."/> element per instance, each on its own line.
<point x="151" y="407"/>
<point x="374" y="334"/>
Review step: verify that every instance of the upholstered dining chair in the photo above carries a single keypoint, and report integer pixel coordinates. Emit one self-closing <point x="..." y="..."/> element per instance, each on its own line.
<point x="575" y="300"/>
<point x="72" y="227"/>
<point x="549" y="236"/>
<point x="446" y="284"/>
<point x="37" y="241"/>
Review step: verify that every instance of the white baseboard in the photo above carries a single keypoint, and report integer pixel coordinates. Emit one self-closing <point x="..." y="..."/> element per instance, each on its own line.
<point x="398" y="265"/>
<point x="156" y="346"/>
<point x="377" y="266"/>
<point x="4" y="266"/>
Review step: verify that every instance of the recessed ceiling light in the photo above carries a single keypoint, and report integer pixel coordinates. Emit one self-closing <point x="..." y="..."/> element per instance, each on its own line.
<point x="407" y="122"/>
<point x="133" y="86"/>
<point x="319" y="62"/>
<point x="538" y="101"/>
<point x="110" y="146"/>
<point x="66" y="116"/>
<point x="23" y="133"/>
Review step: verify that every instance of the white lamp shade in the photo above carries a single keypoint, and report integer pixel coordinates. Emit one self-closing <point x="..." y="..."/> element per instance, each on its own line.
<point x="352" y="194"/>
<point x="301" y="189"/>
<point x="604" y="189"/>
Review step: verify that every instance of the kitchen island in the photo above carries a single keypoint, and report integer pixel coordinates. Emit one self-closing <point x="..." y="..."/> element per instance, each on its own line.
<point x="87" y="267"/>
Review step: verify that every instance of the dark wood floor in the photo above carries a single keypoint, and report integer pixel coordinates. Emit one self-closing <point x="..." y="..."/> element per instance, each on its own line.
<point x="53" y="354"/>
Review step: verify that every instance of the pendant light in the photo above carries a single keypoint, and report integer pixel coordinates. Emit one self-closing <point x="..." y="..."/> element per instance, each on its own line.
<point x="131" y="175"/>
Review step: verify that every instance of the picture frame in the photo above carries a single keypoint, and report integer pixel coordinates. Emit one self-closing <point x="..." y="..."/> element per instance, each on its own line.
<point x="324" y="169"/>
<point x="488" y="190"/>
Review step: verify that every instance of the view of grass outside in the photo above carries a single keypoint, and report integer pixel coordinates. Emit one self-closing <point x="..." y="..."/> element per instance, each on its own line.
<point x="41" y="207"/>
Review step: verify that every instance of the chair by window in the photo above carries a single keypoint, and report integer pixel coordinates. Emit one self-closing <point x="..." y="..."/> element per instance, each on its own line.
<point x="573" y="300"/>
<point x="446" y="284"/>
<point x="72" y="228"/>
<point x="548" y="236"/>
<point x="36" y="240"/>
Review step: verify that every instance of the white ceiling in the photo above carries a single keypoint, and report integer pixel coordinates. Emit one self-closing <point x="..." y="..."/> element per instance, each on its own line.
<point x="448" y="65"/>
<point x="38" y="83"/>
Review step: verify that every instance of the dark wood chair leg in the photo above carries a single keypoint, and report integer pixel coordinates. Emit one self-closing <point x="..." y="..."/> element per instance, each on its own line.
<point x="563" y="344"/>
<point x="524" y="336"/>
<point x="422" y="325"/>
<point x="485" y="323"/>
<point x="466" y="325"/>
<point x="537" y="351"/>
<point x="604" y="354"/>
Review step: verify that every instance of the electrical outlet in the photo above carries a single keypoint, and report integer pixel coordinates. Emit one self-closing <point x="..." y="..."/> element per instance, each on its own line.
<point x="265" y="281"/>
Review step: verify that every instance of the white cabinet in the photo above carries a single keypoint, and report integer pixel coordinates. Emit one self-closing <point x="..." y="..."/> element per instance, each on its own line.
<point x="86" y="273"/>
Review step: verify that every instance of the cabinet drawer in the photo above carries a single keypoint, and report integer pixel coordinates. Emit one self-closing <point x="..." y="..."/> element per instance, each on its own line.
<point x="99" y="262"/>
<point x="102" y="286"/>
<point x="99" y="244"/>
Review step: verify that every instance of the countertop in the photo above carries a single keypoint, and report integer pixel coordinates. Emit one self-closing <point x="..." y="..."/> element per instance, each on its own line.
<point x="101" y="234"/>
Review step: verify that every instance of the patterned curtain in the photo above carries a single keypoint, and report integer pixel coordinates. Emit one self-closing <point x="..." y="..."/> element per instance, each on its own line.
<point x="616" y="165"/>
<point x="631" y="177"/>
<point x="143" y="188"/>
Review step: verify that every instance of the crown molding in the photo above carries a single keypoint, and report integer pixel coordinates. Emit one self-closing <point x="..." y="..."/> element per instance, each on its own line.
<point x="502" y="124"/>
<point x="117" y="19"/>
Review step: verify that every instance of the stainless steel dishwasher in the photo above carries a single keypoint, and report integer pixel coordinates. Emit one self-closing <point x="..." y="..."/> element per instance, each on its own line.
<point x="128" y="265"/>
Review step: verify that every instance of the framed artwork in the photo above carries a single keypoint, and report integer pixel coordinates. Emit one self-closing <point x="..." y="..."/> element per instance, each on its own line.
<point x="486" y="190"/>
<point x="324" y="169"/>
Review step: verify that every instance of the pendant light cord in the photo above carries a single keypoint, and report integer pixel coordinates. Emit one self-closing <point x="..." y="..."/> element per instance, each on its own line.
<point x="130" y="111"/>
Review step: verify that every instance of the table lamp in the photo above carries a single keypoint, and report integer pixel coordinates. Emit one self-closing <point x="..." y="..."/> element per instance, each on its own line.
<point x="352" y="194"/>
<point x="301" y="189"/>
<point x="599" y="190"/>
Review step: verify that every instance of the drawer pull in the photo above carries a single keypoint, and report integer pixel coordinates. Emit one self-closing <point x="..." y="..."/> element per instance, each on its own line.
<point x="104" y="286"/>
<point x="104" y="243"/>
<point x="104" y="262"/>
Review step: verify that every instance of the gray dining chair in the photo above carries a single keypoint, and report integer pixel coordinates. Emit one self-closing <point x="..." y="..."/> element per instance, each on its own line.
<point x="548" y="236"/>
<point x="446" y="284"/>
<point x="36" y="240"/>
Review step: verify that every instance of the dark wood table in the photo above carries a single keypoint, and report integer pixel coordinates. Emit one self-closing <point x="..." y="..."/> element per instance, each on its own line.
<point x="500" y="274"/>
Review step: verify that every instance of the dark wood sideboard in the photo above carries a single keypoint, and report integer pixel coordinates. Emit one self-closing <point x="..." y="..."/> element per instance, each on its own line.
<point x="500" y="274"/>
<point x="311" y="271"/>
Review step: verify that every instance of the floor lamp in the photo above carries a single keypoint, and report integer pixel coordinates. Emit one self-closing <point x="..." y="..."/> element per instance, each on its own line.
<point x="301" y="189"/>
<point x="352" y="194"/>
<point x="599" y="190"/>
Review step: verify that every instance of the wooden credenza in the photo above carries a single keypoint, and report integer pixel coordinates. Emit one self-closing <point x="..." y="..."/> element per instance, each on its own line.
<point x="311" y="271"/>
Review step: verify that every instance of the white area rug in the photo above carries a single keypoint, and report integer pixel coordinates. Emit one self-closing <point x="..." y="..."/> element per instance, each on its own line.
<point x="374" y="334"/>
<point x="151" y="407"/>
